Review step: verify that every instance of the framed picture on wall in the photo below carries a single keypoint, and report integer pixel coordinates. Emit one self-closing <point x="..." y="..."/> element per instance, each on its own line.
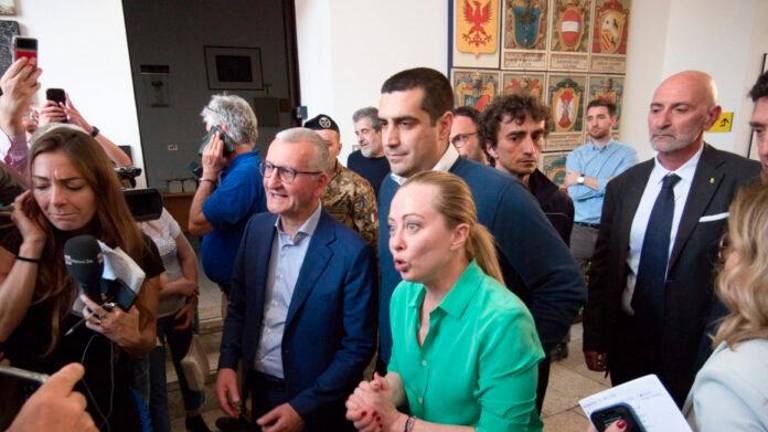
<point x="475" y="87"/>
<point x="7" y="7"/>
<point x="566" y="101"/>
<point x="234" y="68"/>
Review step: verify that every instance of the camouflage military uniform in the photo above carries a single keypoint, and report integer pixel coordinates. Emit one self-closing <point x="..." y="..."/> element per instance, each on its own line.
<point x="349" y="198"/>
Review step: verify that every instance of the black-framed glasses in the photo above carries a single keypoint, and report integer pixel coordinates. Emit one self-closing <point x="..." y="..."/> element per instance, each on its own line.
<point x="287" y="174"/>
<point x="459" y="140"/>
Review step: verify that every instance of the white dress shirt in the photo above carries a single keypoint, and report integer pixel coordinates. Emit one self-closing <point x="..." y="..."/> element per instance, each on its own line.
<point x="445" y="163"/>
<point x="643" y="214"/>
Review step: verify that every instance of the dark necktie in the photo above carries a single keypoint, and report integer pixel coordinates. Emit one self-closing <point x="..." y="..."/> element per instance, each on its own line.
<point x="648" y="298"/>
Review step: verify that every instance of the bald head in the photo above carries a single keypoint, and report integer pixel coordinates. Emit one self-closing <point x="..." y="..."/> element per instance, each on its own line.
<point x="699" y="85"/>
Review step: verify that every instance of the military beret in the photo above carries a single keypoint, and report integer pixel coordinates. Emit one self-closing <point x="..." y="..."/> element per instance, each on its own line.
<point x="320" y="122"/>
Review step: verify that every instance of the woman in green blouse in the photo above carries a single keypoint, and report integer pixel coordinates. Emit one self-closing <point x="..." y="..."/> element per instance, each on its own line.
<point x="465" y="350"/>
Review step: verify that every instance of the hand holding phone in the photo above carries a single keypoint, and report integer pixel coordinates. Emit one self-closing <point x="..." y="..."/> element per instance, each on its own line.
<point x="19" y="85"/>
<point x="53" y="110"/>
<point x="216" y="147"/>
<point x="56" y="405"/>
<point x="57" y="95"/>
<point x="229" y="143"/>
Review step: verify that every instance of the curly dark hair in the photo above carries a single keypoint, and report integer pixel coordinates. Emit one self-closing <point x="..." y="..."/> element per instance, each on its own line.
<point x="517" y="106"/>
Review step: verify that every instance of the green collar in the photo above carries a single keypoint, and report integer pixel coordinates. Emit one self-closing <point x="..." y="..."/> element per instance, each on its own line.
<point x="457" y="299"/>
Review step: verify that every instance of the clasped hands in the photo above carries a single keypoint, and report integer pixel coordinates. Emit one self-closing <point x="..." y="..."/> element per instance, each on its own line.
<point x="371" y="408"/>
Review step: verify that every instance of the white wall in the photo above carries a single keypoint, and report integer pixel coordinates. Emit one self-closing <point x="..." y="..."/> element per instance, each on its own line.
<point x="725" y="40"/>
<point x="313" y="28"/>
<point x="647" y="45"/>
<point x="83" y="49"/>
<point x="347" y="48"/>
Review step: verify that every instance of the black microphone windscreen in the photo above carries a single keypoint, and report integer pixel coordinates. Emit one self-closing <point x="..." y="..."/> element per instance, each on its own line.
<point x="85" y="263"/>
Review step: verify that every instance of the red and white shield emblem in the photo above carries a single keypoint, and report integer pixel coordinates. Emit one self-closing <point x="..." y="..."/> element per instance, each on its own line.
<point x="571" y="26"/>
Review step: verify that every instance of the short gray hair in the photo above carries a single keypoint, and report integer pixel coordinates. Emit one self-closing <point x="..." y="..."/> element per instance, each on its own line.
<point x="370" y="113"/>
<point x="234" y="112"/>
<point x="322" y="160"/>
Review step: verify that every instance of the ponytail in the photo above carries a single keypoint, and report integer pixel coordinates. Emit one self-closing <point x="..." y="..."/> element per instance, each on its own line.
<point x="482" y="247"/>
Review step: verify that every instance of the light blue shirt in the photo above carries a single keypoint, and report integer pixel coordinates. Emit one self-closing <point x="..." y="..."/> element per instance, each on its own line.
<point x="603" y="163"/>
<point x="284" y="266"/>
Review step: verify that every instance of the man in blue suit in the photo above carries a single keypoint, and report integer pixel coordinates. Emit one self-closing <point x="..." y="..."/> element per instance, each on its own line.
<point x="301" y="315"/>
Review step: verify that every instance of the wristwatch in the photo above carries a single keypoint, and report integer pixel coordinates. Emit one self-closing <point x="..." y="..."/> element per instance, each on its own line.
<point x="580" y="179"/>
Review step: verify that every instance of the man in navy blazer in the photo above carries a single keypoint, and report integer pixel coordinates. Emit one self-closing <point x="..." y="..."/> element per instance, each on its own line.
<point x="301" y="315"/>
<point x="634" y="328"/>
<point x="416" y="115"/>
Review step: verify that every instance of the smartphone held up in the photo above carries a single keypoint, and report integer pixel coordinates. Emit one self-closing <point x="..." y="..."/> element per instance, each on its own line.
<point x="24" y="47"/>
<point x="56" y="95"/>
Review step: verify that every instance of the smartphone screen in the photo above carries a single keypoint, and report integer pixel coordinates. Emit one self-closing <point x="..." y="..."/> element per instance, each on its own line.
<point x="56" y="95"/>
<point x="605" y="417"/>
<point x="24" y="47"/>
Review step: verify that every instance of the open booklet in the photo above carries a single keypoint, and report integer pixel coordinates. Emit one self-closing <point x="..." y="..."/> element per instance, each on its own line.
<point x="649" y="401"/>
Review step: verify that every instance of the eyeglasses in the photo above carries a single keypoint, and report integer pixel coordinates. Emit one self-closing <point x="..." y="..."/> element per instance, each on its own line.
<point x="286" y="174"/>
<point x="460" y="139"/>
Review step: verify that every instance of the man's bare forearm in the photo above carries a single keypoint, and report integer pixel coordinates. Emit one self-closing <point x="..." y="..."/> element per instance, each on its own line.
<point x="198" y="224"/>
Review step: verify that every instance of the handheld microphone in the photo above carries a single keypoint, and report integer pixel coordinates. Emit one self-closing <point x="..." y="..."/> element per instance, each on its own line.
<point x="107" y="276"/>
<point x="85" y="263"/>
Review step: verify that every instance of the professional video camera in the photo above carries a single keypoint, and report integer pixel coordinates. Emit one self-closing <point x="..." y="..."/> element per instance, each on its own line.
<point x="145" y="204"/>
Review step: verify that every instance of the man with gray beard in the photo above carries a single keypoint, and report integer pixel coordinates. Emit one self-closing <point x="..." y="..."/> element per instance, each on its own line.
<point x="369" y="161"/>
<point x="651" y="297"/>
